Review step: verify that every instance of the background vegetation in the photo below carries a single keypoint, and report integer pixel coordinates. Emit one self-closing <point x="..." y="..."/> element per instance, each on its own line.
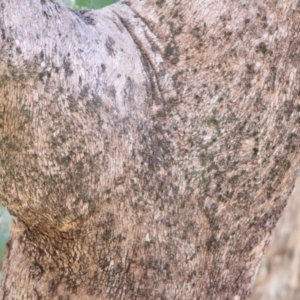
<point x="5" y="220"/>
<point x="90" y="4"/>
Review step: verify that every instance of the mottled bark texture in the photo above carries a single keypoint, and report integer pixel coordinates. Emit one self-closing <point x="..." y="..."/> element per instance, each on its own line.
<point x="146" y="149"/>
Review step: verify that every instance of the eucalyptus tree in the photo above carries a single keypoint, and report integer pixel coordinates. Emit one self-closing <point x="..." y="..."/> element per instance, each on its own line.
<point x="147" y="149"/>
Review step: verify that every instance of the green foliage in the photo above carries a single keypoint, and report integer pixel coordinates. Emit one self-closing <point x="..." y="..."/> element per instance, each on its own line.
<point x="94" y="4"/>
<point x="90" y="4"/>
<point x="5" y="220"/>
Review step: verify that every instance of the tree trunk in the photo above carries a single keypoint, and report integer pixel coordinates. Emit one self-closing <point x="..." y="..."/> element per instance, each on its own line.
<point x="147" y="149"/>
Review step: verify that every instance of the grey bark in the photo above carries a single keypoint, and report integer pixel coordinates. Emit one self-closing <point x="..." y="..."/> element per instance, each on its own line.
<point x="147" y="149"/>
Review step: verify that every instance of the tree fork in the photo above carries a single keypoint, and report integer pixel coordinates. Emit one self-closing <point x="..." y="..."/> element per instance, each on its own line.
<point x="146" y="149"/>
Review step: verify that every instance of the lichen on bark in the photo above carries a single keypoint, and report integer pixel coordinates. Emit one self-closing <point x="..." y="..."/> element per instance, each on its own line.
<point x="147" y="149"/>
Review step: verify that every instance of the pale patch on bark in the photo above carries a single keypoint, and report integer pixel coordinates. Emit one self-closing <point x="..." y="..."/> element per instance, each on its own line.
<point x="279" y="273"/>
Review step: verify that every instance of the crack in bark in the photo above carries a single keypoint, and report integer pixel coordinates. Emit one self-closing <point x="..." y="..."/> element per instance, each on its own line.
<point x="148" y="67"/>
<point x="150" y="55"/>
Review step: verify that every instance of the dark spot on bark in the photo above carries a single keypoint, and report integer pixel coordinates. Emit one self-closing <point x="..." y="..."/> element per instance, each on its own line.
<point x="172" y="52"/>
<point x="41" y="76"/>
<point x="19" y="50"/>
<point x="84" y="91"/>
<point x="37" y="294"/>
<point x="250" y="69"/>
<point x="4" y="79"/>
<point x="176" y="79"/>
<point x="288" y="109"/>
<point x="95" y="103"/>
<point x="120" y="180"/>
<point x="255" y="151"/>
<point x="160" y="3"/>
<point x="112" y="91"/>
<point x="264" y="18"/>
<point x="53" y="286"/>
<point x="262" y="47"/>
<point x="292" y="144"/>
<point x="103" y="263"/>
<point x="294" y="52"/>
<point x="85" y="16"/>
<point x="63" y="297"/>
<point x="72" y="287"/>
<point x="67" y="68"/>
<point x="109" y="46"/>
<point x="228" y="33"/>
<point x="212" y="244"/>
<point x="46" y="15"/>
<point x="251" y="243"/>
<point x="210" y="213"/>
<point x="106" y="236"/>
<point x="65" y="160"/>
<point x="270" y="80"/>
<point x="3" y="36"/>
<point x="58" y="141"/>
<point x="35" y="271"/>
<point x="103" y="68"/>
<point x="129" y="90"/>
<point x="174" y="28"/>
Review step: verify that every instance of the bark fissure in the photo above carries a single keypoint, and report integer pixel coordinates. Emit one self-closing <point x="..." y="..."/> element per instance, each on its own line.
<point x="146" y="62"/>
<point x="150" y="50"/>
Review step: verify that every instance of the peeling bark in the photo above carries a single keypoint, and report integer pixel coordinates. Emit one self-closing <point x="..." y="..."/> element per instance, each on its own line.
<point x="147" y="149"/>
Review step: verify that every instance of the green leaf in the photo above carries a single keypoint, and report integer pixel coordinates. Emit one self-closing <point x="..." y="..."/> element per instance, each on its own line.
<point x="91" y="4"/>
<point x="5" y="221"/>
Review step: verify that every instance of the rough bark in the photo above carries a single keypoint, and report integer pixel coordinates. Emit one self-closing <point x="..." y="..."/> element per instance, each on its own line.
<point x="147" y="149"/>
